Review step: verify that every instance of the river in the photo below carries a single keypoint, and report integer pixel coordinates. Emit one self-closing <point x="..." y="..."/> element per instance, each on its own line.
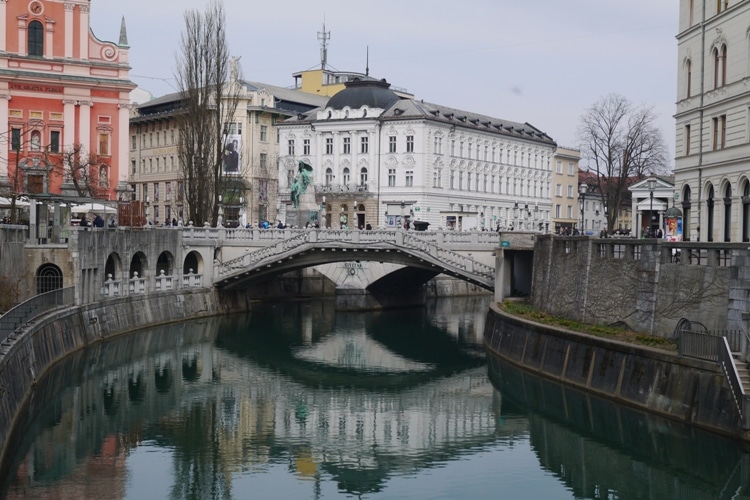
<point x="298" y="400"/>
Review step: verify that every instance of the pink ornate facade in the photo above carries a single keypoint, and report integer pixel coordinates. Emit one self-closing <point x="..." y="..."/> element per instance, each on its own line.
<point x="61" y="89"/>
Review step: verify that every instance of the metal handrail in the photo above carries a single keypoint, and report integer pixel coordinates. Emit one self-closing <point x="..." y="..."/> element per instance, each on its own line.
<point x="27" y="310"/>
<point x="726" y="362"/>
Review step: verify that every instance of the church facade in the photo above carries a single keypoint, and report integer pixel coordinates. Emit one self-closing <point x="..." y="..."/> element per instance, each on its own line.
<point x="64" y="101"/>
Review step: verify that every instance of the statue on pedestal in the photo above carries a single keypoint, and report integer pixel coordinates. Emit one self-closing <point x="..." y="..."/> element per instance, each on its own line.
<point x="300" y="197"/>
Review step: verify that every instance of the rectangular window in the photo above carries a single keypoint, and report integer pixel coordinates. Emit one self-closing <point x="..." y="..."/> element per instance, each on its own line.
<point x="156" y="191"/>
<point x="264" y="134"/>
<point x="570" y="191"/>
<point x="305" y="146"/>
<point x="263" y="161"/>
<point x="571" y="170"/>
<point x="686" y="138"/>
<point x="558" y="190"/>
<point x="570" y="212"/>
<point x="409" y="143"/>
<point x="392" y="144"/>
<point x="391" y="177"/>
<point x="180" y="191"/>
<point x="290" y="149"/>
<point x="720" y="131"/>
<point x="132" y="166"/>
<point x="365" y="144"/>
<point x="347" y="145"/>
<point x="15" y="139"/>
<point x="409" y="178"/>
<point x="558" y="210"/>
<point x="132" y="143"/>
<point x="559" y="167"/>
<point x="104" y="144"/>
<point x="329" y="145"/>
<point x="54" y="141"/>
<point x="168" y="191"/>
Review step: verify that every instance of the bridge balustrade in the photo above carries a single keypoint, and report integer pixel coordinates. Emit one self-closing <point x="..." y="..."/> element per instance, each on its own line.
<point x="110" y="288"/>
<point x="163" y="282"/>
<point x="192" y="279"/>
<point x="137" y="285"/>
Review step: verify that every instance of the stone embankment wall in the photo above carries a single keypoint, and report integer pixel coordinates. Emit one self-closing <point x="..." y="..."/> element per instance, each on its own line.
<point x="28" y="354"/>
<point x="639" y="283"/>
<point x="688" y="390"/>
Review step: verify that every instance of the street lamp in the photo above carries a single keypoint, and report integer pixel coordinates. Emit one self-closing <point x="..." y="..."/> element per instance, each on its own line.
<point x="148" y="209"/>
<point x="403" y="205"/>
<point x="220" y="217"/>
<point x="582" y="190"/>
<point x="515" y="214"/>
<point x="651" y="187"/>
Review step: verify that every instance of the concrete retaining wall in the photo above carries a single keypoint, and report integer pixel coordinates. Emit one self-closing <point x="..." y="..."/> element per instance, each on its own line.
<point x="30" y="353"/>
<point x="688" y="390"/>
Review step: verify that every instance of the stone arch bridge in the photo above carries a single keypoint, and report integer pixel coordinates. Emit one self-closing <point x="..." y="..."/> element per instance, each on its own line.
<point x="109" y="262"/>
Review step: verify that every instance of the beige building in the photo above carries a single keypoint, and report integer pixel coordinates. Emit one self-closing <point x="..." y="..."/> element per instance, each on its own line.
<point x="565" y="190"/>
<point x="252" y="182"/>
<point x="712" y="153"/>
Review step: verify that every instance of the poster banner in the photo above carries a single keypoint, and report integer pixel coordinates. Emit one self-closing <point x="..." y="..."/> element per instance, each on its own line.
<point x="232" y="149"/>
<point x="674" y="229"/>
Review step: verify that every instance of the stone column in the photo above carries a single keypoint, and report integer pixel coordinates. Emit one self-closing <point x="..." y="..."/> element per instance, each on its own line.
<point x="4" y="145"/>
<point x="3" y="19"/>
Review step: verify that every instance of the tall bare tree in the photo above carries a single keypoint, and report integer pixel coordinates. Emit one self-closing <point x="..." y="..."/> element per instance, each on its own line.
<point x="83" y="170"/>
<point x="622" y="144"/>
<point x="209" y="101"/>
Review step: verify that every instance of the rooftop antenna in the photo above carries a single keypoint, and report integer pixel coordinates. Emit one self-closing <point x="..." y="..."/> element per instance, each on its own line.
<point x="324" y="36"/>
<point x="367" y="63"/>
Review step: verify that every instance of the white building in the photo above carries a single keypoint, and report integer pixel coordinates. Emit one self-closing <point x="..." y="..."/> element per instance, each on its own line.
<point x="383" y="160"/>
<point x="712" y="120"/>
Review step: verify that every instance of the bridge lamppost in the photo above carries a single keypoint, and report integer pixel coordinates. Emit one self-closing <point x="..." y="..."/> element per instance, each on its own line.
<point x="582" y="190"/>
<point x="220" y="217"/>
<point x="651" y="187"/>
<point x="403" y="222"/>
<point x="515" y="215"/>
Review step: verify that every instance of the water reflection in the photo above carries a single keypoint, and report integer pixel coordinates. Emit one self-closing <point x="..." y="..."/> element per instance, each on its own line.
<point x="296" y="400"/>
<point x="354" y="398"/>
<point x="604" y="450"/>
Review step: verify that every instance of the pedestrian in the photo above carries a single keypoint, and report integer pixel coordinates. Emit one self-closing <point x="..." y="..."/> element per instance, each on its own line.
<point x="659" y="233"/>
<point x="368" y="226"/>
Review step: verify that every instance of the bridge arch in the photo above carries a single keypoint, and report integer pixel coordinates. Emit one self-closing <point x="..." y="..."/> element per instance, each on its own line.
<point x="113" y="267"/>
<point x="165" y="262"/>
<point x="138" y="264"/>
<point x="193" y="263"/>
<point x="48" y="278"/>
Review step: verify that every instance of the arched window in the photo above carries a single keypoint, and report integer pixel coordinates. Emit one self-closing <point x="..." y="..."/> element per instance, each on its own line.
<point x="329" y="176"/>
<point x="363" y="176"/>
<point x="36" y="39"/>
<point x="720" y="66"/>
<point x="346" y="176"/>
<point x="48" y="278"/>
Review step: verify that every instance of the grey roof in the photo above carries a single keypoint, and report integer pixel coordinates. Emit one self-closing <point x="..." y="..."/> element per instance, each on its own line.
<point x="286" y="94"/>
<point x="358" y="93"/>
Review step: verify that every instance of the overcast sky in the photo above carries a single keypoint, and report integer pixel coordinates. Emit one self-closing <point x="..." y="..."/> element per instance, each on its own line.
<point x="539" y="61"/>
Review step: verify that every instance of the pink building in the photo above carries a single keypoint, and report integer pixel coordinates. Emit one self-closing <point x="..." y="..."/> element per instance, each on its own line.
<point x="61" y="90"/>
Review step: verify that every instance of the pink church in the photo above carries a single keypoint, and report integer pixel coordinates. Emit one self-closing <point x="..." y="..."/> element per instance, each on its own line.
<point x="64" y="100"/>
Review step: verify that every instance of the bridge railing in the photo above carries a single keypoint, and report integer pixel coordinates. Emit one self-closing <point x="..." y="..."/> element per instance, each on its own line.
<point x="27" y="310"/>
<point x="407" y="239"/>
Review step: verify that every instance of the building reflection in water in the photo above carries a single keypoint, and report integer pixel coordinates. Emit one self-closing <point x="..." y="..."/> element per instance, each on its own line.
<point x="344" y="399"/>
<point x="357" y="397"/>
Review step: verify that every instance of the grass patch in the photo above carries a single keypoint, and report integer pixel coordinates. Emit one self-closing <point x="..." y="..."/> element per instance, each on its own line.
<point x="614" y="332"/>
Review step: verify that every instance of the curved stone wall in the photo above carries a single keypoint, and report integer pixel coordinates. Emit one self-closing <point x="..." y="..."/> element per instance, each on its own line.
<point x="27" y="355"/>
<point x="685" y="389"/>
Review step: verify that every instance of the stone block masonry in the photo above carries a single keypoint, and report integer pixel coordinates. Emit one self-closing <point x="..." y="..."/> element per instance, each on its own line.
<point x="27" y="355"/>
<point x="687" y="390"/>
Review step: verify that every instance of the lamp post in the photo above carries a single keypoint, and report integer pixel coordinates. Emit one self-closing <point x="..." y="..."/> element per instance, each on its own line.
<point x="582" y="190"/>
<point x="403" y="224"/>
<point x="515" y="214"/>
<point x="651" y="187"/>
<point x="220" y="217"/>
<point x="148" y="210"/>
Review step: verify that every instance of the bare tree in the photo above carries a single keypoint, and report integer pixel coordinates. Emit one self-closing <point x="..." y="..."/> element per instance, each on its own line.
<point x="209" y="101"/>
<point x="621" y="143"/>
<point x="83" y="170"/>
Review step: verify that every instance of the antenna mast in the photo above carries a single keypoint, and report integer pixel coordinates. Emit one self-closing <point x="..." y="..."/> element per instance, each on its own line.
<point x="324" y="36"/>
